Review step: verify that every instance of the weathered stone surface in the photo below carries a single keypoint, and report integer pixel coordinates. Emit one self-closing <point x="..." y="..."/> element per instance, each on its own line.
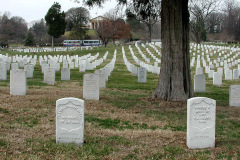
<point x="70" y="121"/>
<point x="201" y="122"/>
<point x="199" y="83"/>
<point x="18" y="82"/>
<point x="234" y="95"/>
<point x="91" y="86"/>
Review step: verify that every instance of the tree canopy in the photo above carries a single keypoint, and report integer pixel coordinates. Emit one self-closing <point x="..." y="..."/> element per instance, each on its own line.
<point x="55" y="20"/>
<point x="29" y="40"/>
<point x="147" y="12"/>
<point x="12" y="29"/>
<point x="77" y="20"/>
<point x="39" y="30"/>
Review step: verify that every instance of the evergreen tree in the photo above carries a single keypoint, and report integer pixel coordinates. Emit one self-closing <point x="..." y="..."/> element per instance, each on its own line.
<point x="55" y="20"/>
<point x="29" y="40"/>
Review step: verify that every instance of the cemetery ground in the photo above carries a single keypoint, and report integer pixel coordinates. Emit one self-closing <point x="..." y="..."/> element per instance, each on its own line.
<point x="124" y="124"/>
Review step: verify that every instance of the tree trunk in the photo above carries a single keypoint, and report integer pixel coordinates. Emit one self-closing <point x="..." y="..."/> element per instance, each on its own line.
<point x="174" y="82"/>
<point x="52" y="41"/>
<point x="150" y="32"/>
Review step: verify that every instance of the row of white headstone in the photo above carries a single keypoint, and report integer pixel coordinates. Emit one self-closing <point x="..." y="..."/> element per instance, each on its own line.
<point x="140" y="71"/>
<point x="18" y="76"/>
<point x="83" y="63"/>
<point x="150" y="68"/>
<point x="201" y="122"/>
<point x="92" y="82"/>
<point x="49" y="49"/>
<point x="222" y="64"/>
<point x="223" y="55"/>
<point x="25" y="62"/>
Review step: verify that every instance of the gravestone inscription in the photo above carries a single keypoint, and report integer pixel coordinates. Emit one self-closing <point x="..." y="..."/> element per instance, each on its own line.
<point x="70" y="121"/>
<point x="201" y="122"/>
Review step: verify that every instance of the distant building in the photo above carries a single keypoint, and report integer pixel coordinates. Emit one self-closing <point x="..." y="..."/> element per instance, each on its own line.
<point x="96" y="21"/>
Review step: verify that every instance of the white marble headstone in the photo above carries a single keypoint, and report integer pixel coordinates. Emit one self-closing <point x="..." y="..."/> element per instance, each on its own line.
<point x="18" y="82"/>
<point x="210" y="73"/>
<point x="3" y="71"/>
<point x="201" y="122"/>
<point x="134" y="70"/>
<point x="70" y="121"/>
<point x="199" y="70"/>
<point x="14" y="66"/>
<point x="65" y="74"/>
<point x="228" y="74"/>
<point x="235" y="74"/>
<point x="234" y="95"/>
<point x="91" y="86"/>
<point x="199" y="83"/>
<point x="49" y="75"/>
<point x="102" y="80"/>
<point x="142" y="75"/>
<point x="82" y="67"/>
<point x="29" y="70"/>
<point x="217" y="79"/>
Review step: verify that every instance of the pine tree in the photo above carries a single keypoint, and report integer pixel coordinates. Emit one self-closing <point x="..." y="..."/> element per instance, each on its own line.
<point x="55" y="20"/>
<point x="29" y="40"/>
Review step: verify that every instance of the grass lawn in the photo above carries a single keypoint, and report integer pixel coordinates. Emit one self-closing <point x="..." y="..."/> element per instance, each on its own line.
<point x="124" y="124"/>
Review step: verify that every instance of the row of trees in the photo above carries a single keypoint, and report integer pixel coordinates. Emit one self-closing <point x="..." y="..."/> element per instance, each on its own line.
<point x="12" y="29"/>
<point x="217" y="17"/>
<point x="15" y="30"/>
<point x="76" y="21"/>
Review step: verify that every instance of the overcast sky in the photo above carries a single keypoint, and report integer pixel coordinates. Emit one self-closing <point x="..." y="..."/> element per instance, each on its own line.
<point x="32" y="10"/>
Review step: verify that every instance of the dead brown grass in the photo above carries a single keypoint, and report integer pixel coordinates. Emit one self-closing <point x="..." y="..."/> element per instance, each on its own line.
<point x="39" y="104"/>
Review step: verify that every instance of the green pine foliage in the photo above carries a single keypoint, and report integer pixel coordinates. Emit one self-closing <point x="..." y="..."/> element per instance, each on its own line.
<point x="29" y="40"/>
<point x="55" y="20"/>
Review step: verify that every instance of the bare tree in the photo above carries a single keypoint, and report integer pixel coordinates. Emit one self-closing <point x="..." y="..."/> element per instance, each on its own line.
<point x="39" y="30"/>
<point x="200" y="11"/>
<point x="105" y="31"/>
<point x="231" y="22"/>
<point x="12" y="29"/>
<point x="113" y="27"/>
<point x="214" y="21"/>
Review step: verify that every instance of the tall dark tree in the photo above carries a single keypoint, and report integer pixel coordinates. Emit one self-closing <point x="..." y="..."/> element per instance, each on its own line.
<point x="137" y="28"/>
<point x="174" y="80"/>
<point x="29" y="40"/>
<point x="55" y="20"/>
<point x="132" y="21"/>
